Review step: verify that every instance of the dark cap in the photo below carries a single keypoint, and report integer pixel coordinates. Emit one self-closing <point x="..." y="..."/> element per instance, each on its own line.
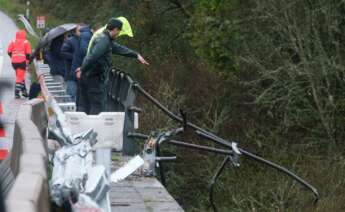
<point x="114" y="23"/>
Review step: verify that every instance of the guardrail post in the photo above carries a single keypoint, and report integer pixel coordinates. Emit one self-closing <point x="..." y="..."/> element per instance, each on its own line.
<point x="129" y="147"/>
<point x="121" y="98"/>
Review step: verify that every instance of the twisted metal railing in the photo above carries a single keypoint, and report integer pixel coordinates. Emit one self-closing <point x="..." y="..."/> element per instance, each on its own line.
<point x="122" y="90"/>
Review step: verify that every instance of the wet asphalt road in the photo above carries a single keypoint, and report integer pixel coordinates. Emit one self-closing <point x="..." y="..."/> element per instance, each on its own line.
<point x="7" y="76"/>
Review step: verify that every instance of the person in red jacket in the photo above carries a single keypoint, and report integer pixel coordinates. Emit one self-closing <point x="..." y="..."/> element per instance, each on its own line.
<point x="20" y="50"/>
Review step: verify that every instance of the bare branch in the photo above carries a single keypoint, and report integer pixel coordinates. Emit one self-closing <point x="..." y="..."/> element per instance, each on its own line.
<point x="181" y="7"/>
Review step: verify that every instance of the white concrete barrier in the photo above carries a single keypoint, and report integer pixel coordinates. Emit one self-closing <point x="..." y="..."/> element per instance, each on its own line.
<point x="29" y="161"/>
<point x="108" y="125"/>
<point x="29" y="188"/>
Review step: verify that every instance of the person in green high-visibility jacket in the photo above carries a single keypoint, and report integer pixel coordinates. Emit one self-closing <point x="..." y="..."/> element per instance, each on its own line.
<point x="93" y="73"/>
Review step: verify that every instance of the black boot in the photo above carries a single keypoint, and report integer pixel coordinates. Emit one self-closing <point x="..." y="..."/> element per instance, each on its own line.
<point x="17" y="90"/>
<point x="24" y="92"/>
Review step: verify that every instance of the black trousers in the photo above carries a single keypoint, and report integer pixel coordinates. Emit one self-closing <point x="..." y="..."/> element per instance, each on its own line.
<point x="91" y="95"/>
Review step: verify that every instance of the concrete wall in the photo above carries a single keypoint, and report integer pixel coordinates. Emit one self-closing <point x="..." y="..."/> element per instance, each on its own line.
<point x="29" y="160"/>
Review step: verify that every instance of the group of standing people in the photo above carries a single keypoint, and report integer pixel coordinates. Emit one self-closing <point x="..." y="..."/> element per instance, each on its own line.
<point x="82" y="60"/>
<point x="87" y="60"/>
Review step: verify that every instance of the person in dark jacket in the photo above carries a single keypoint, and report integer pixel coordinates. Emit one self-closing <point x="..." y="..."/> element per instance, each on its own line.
<point x="95" y="67"/>
<point x="68" y="51"/>
<point x="85" y="34"/>
<point x="54" y="59"/>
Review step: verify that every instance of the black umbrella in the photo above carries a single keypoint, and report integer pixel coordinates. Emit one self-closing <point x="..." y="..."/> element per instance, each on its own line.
<point x="51" y="35"/>
<point x="54" y="33"/>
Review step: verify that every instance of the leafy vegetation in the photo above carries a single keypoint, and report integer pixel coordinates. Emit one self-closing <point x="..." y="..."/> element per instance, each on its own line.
<point x="268" y="74"/>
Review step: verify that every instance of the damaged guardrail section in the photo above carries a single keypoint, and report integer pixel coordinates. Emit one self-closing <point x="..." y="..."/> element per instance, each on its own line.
<point x="78" y="181"/>
<point x="28" y="161"/>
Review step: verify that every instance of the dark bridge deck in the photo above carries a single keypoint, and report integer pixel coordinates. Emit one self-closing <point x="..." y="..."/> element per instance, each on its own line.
<point x="138" y="193"/>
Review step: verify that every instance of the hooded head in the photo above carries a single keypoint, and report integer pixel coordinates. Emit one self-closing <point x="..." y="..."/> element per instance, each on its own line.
<point x="126" y="27"/>
<point x="122" y="24"/>
<point x="21" y="35"/>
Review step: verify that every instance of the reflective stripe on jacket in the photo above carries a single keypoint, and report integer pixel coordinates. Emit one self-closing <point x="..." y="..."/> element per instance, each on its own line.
<point x="19" y="50"/>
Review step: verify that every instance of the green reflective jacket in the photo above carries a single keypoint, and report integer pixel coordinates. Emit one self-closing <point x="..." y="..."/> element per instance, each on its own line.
<point x="98" y="59"/>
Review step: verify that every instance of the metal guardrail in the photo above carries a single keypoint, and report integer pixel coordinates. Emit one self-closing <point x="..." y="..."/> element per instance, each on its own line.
<point x="121" y="95"/>
<point x="55" y="112"/>
<point x="76" y="182"/>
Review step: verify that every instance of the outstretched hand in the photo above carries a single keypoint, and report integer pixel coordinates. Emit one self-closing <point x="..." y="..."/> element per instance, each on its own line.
<point x="142" y="60"/>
